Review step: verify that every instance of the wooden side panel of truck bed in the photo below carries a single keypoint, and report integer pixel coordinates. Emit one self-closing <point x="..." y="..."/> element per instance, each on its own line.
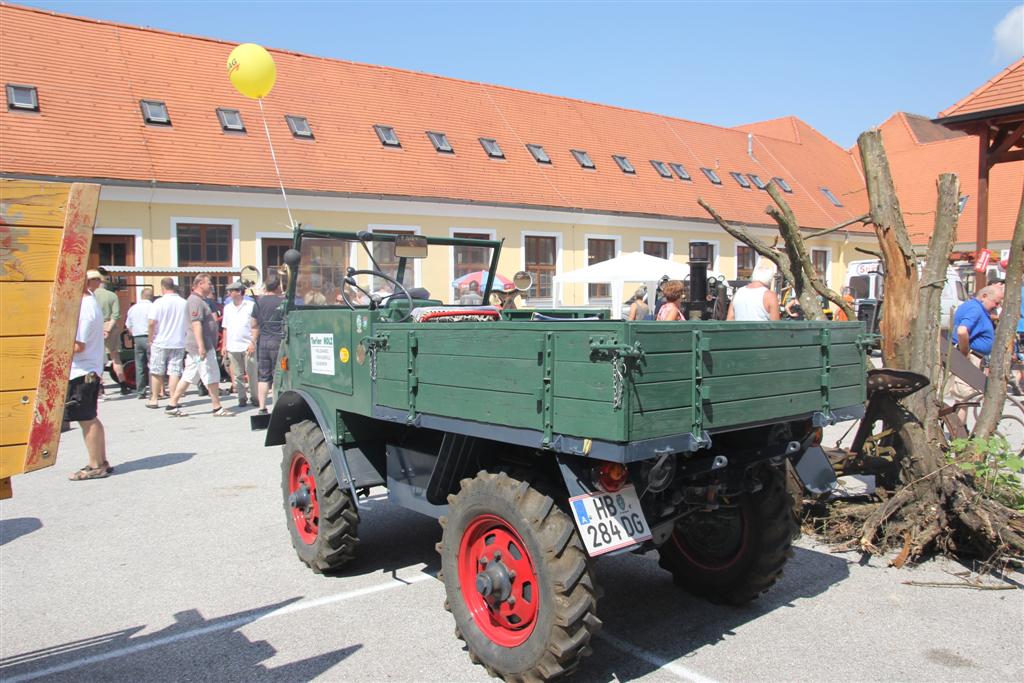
<point x="690" y="376"/>
<point x="45" y="235"/>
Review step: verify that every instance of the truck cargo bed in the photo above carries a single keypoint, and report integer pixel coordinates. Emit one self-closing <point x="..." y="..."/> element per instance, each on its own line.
<point x="561" y="378"/>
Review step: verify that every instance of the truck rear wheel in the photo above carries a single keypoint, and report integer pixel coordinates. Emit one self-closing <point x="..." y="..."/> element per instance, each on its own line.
<point x="517" y="580"/>
<point x="733" y="554"/>
<point x="322" y="517"/>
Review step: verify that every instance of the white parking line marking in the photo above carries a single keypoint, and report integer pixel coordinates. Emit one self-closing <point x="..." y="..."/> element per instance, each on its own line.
<point x="658" y="661"/>
<point x="222" y="626"/>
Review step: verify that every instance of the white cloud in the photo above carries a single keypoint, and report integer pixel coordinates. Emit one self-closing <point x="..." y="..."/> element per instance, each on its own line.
<point x="1009" y="35"/>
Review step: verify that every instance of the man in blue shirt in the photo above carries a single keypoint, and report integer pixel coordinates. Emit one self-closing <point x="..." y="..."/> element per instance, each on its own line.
<point x="973" y="334"/>
<point x="972" y="324"/>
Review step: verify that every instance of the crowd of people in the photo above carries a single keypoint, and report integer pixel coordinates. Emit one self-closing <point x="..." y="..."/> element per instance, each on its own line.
<point x="178" y="342"/>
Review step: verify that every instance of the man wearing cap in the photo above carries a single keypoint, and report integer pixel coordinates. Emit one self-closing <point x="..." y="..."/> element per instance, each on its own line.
<point x="110" y="305"/>
<point x="237" y="340"/>
<point x="84" y="385"/>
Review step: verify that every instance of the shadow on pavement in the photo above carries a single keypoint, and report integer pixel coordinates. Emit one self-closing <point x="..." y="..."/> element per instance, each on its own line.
<point x="11" y="529"/>
<point x="151" y="462"/>
<point x="392" y="538"/>
<point x="643" y="608"/>
<point x="193" y="648"/>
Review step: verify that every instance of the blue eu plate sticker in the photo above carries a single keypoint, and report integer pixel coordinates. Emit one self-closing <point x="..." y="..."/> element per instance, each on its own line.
<point x="581" y="512"/>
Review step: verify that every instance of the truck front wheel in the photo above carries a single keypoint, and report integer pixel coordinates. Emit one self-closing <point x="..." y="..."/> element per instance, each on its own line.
<point x="517" y="580"/>
<point x="736" y="552"/>
<point x="322" y="517"/>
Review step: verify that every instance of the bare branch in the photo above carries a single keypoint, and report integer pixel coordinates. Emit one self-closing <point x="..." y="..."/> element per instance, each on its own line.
<point x="864" y="220"/>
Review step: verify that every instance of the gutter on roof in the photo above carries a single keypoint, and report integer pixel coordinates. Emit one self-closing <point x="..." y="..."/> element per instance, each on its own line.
<point x="981" y="115"/>
<point x="117" y="182"/>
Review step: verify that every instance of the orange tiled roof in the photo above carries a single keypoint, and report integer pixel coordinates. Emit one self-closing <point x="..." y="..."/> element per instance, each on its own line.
<point x="91" y="75"/>
<point x="1005" y="89"/>
<point x="917" y="156"/>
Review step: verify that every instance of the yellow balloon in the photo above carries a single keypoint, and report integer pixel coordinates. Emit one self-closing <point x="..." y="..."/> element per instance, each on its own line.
<point x="251" y="70"/>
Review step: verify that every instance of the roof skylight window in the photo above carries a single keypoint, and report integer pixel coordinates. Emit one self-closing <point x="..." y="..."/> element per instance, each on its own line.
<point x="739" y="178"/>
<point x="831" y="197"/>
<point x="492" y="148"/>
<point x="230" y="119"/>
<point x="963" y="202"/>
<point x="583" y="158"/>
<point x="661" y="168"/>
<point x="681" y="171"/>
<point x="624" y="164"/>
<point x="440" y="142"/>
<point x="299" y="126"/>
<point x="711" y="175"/>
<point x="781" y="182"/>
<point x="155" y="112"/>
<point x="539" y="154"/>
<point x="387" y="136"/>
<point x="22" y="97"/>
<point x="756" y="179"/>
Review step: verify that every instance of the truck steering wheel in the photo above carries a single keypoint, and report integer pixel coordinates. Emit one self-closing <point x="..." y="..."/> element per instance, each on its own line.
<point x="376" y="301"/>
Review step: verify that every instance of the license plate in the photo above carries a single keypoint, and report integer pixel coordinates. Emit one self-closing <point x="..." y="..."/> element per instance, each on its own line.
<point x="610" y="521"/>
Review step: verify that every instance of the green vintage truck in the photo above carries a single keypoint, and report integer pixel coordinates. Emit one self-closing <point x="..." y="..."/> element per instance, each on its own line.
<point x="542" y="441"/>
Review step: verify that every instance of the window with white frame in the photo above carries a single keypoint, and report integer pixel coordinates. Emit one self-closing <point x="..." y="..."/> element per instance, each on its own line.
<point x="746" y="258"/>
<point x="541" y="259"/>
<point x="599" y="250"/>
<point x="657" y="248"/>
<point x="820" y="259"/>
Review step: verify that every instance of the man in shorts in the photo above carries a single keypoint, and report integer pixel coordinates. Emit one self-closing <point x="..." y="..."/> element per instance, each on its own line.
<point x="267" y="333"/>
<point x="973" y="335"/>
<point x="168" y="324"/>
<point x="200" y="350"/>
<point x="84" y="385"/>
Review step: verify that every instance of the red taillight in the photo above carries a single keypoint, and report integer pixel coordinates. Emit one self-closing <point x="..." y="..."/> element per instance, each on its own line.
<point x="284" y="363"/>
<point x="816" y="436"/>
<point x="611" y="476"/>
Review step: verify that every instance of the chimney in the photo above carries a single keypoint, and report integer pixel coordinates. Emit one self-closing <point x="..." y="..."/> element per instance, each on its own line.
<point x="750" y="146"/>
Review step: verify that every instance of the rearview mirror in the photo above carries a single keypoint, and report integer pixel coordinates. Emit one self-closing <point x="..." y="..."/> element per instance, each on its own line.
<point x="410" y="246"/>
<point x="522" y="281"/>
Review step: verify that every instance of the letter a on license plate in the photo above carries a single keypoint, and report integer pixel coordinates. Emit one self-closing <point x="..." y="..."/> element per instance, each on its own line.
<point x="610" y="521"/>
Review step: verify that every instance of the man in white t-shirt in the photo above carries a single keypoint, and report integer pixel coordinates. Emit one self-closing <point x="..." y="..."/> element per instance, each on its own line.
<point x="237" y="339"/>
<point x="168" y="325"/>
<point x="137" y="322"/>
<point x="84" y="387"/>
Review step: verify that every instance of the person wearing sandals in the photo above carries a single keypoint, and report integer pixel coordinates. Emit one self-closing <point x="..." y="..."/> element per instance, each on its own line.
<point x="84" y="385"/>
<point x="200" y="350"/>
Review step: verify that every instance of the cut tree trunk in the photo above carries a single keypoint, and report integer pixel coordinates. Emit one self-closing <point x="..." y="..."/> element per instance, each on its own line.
<point x="938" y="507"/>
<point x="901" y="279"/>
<point x="1002" y="348"/>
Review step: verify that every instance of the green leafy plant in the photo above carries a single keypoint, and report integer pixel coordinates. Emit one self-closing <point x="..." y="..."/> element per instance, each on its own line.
<point x="996" y="469"/>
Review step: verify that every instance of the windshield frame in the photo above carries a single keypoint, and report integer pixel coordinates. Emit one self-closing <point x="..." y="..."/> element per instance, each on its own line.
<point x="364" y="237"/>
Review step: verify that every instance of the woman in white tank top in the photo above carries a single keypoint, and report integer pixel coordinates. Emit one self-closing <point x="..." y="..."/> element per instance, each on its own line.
<point x="755" y="301"/>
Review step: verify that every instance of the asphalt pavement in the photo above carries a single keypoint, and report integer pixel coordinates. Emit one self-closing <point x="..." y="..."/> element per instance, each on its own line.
<point x="178" y="567"/>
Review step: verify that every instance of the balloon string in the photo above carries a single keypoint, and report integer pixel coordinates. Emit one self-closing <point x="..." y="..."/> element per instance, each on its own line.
<point x="266" y="129"/>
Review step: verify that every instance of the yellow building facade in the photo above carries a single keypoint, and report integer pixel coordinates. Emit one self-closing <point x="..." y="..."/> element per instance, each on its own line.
<point x="159" y="228"/>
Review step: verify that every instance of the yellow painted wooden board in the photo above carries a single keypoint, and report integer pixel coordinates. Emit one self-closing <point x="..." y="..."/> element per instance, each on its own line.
<point x="28" y="253"/>
<point x="19" y="362"/>
<point x="25" y="306"/>
<point x="12" y="460"/>
<point x="28" y="202"/>
<point x="15" y="416"/>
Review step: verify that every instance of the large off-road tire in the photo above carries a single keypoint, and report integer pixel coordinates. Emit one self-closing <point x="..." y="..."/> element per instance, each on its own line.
<point x="322" y="517"/>
<point x="517" y="580"/>
<point x="733" y="554"/>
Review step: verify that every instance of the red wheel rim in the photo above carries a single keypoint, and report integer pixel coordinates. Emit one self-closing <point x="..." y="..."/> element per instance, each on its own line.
<point x="498" y="581"/>
<point x="302" y="498"/>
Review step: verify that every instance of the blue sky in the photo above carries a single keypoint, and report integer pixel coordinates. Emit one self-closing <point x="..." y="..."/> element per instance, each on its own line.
<point x="842" y="67"/>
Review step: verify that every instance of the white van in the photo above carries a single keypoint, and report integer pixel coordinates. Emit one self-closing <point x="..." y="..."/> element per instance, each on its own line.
<point x="865" y="280"/>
